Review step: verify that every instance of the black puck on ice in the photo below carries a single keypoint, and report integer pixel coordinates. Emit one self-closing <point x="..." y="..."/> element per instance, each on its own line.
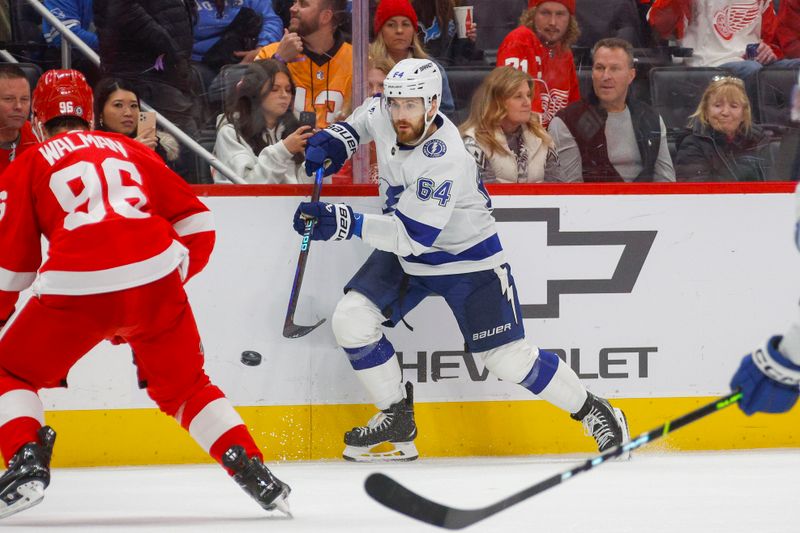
<point x="251" y="358"/>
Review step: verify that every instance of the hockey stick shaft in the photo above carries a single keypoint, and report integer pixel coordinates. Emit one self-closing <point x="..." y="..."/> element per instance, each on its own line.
<point x="290" y="329"/>
<point x="392" y="494"/>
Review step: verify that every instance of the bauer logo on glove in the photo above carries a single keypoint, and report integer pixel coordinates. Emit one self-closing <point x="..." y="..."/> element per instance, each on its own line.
<point x="333" y="221"/>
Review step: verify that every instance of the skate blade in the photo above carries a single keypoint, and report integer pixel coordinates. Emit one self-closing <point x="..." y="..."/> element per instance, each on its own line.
<point x="626" y="434"/>
<point x="401" y="451"/>
<point x="32" y="493"/>
<point x="282" y="505"/>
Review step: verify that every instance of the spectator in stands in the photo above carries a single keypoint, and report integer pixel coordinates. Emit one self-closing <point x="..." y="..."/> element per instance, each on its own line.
<point x="77" y="16"/>
<point x="377" y="69"/>
<point x="787" y="34"/>
<point x="719" y="32"/>
<point x="116" y="109"/>
<point x="437" y="31"/>
<point x="612" y="18"/>
<point x="540" y="46"/>
<point x="319" y="59"/>
<point x="608" y="136"/>
<point x="147" y="43"/>
<point x="504" y="135"/>
<point x="724" y="144"/>
<point x="232" y="31"/>
<point x="258" y="136"/>
<point x="16" y="135"/>
<point x="396" y="38"/>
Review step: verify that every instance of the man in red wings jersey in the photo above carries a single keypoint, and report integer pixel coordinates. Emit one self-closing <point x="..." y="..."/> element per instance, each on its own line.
<point x="540" y="46"/>
<point x="125" y="233"/>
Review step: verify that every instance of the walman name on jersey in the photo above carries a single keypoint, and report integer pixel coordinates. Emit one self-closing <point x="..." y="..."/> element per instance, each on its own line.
<point x="55" y="149"/>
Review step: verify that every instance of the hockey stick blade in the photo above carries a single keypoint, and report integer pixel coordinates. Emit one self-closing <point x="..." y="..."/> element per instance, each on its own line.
<point x="290" y="329"/>
<point x="294" y="331"/>
<point x="395" y="496"/>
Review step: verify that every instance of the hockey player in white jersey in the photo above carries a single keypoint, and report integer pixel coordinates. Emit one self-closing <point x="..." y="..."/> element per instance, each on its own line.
<point x="436" y="236"/>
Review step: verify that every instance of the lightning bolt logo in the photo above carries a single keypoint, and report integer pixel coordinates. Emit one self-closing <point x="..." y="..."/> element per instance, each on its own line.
<point x="507" y="289"/>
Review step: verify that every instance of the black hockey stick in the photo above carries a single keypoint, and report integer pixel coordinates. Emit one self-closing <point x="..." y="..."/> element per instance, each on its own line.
<point x="395" y="496"/>
<point x="290" y="329"/>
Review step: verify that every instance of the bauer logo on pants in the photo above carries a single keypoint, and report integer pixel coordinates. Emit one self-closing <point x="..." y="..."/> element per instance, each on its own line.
<point x="636" y="248"/>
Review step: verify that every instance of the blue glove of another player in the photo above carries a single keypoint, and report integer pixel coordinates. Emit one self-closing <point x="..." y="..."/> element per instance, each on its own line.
<point x="330" y="148"/>
<point x="333" y="221"/>
<point x="768" y="380"/>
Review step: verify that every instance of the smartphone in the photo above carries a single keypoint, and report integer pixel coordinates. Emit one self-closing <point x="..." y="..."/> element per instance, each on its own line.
<point x="147" y="120"/>
<point x="307" y="118"/>
<point x="751" y="51"/>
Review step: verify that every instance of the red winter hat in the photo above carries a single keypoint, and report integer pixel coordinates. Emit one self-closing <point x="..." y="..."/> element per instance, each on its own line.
<point x="569" y="4"/>
<point x="394" y="8"/>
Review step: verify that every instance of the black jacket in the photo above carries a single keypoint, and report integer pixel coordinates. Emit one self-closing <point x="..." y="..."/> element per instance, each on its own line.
<point x="586" y="121"/>
<point x="133" y="33"/>
<point x="708" y="155"/>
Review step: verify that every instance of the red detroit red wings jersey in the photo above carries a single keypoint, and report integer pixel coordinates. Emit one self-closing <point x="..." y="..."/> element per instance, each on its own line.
<point x="114" y="215"/>
<point x="556" y="80"/>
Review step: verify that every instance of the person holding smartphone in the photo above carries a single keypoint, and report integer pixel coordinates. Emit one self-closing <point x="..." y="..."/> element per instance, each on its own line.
<point x="259" y="136"/>
<point x="116" y="106"/>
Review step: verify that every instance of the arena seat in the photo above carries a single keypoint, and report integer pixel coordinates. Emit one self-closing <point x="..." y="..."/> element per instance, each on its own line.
<point x="676" y="91"/>
<point x="495" y="20"/>
<point x="463" y="83"/>
<point x="774" y="94"/>
<point x="32" y="71"/>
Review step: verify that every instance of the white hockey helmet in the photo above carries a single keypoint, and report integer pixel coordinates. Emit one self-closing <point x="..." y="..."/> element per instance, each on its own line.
<point x="415" y="78"/>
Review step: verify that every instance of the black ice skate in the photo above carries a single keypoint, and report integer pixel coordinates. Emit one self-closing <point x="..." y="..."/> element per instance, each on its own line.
<point x="28" y="474"/>
<point x="606" y="424"/>
<point x="257" y="481"/>
<point x="393" y="427"/>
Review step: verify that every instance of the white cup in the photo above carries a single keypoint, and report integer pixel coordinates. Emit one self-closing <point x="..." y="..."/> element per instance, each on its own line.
<point x="464" y="20"/>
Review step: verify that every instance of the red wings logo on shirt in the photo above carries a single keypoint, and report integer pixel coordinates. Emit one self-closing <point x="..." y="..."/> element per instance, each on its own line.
<point x="735" y="18"/>
<point x="553" y="101"/>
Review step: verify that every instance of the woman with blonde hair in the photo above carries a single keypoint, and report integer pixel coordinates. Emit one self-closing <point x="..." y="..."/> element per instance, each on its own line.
<point x="396" y="38"/>
<point x="724" y="144"/>
<point x="504" y="136"/>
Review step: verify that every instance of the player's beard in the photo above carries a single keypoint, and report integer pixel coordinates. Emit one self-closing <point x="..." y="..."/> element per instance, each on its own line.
<point x="409" y="135"/>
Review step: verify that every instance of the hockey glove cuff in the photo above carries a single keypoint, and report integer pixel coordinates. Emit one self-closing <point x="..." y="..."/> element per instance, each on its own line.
<point x="768" y="380"/>
<point x="333" y="221"/>
<point x="330" y="148"/>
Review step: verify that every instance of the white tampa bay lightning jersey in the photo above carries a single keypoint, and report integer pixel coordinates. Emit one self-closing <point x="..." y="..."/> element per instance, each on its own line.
<point x="437" y="216"/>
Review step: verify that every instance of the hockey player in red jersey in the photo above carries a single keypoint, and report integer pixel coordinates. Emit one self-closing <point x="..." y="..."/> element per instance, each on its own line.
<point x="125" y="234"/>
<point x="540" y="46"/>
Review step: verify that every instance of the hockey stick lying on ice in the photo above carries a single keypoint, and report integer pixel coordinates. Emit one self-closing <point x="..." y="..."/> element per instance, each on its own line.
<point x="290" y="329"/>
<point x="395" y="496"/>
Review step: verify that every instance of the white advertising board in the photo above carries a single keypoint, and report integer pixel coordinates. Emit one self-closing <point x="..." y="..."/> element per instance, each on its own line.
<point x="644" y="295"/>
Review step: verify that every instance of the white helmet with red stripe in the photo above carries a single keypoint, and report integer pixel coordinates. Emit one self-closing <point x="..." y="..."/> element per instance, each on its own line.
<point x="61" y="93"/>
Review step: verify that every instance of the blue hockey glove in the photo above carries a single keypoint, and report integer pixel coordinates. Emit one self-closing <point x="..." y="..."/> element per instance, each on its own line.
<point x="333" y="221"/>
<point x="767" y="379"/>
<point x="330" y="148"/>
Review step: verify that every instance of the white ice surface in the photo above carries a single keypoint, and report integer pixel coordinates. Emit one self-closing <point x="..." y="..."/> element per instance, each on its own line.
<point x="735" y="492"/>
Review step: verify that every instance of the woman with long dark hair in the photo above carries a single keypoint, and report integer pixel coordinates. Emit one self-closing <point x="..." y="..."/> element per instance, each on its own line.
<point x="116" y="109"/>
<point x="258" y="136"/>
